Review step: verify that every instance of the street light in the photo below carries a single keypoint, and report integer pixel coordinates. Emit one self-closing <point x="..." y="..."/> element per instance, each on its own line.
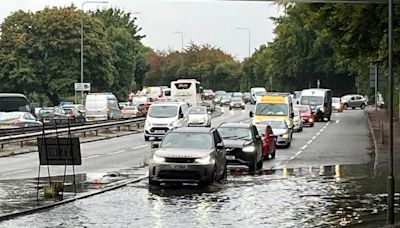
<point x="83" y="4"/>
<point x="248" y="30"/>
<point x="179" y="32"/>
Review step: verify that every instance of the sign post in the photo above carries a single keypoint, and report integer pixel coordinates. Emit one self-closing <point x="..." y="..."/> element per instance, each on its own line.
<point x="81" y="87"/>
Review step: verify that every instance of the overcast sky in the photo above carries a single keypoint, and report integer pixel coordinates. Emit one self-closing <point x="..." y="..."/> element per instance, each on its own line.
<point x="203" y="21"/>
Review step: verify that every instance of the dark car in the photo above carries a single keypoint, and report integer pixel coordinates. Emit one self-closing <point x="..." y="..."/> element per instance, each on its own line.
<point x="53" y="115"/>
<point x="75" y="114"/>
<point x="225" y="100"/>
<point x="236" y="102"/>
<point x="243" y="145"/>
<point x="246" y="97"/>
<point x="188" y="155"/>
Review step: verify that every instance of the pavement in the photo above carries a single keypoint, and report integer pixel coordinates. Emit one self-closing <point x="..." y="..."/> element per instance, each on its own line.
<point x="378" y="122"/>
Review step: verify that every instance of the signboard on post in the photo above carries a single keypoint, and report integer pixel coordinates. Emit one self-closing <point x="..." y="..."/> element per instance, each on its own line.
<point x="372" y="76"/>
<point x="59" y="151"/>
<point x="82" y="87"/>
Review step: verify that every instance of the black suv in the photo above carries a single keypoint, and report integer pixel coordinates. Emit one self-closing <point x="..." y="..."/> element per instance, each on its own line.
<point x="243" y="145"/>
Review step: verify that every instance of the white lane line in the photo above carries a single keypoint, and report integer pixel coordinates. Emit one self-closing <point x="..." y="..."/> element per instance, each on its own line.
<point x="15" y="172"/>
<point x="318" y="133"/>
<point x="321" y="130"/>
<point x="138" y="147"/>
<point x="324" y="127"/>
<point x="314" y="137"/>
<point x="304" y="147"/>
<point x="117" y="152"/>
<point x="309" y="142"/>
<point x="93" y="156"/>
<point x="291" y="158"/>
<point x="298" y="153"/>
<point x="337" y="121"/>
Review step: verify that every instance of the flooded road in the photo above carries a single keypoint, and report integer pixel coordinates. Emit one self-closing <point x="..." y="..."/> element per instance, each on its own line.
<point x="327" y="196"/>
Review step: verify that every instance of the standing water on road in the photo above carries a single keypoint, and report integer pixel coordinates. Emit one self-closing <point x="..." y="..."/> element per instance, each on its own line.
<point x="326" y="196"/>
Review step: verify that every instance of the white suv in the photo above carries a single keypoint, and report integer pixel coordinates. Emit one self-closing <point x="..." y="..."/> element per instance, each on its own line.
<point x="162" y="117"/>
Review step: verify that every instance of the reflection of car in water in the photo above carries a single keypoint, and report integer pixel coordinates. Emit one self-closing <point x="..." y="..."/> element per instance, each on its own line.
<point x="243" y="145"/>
<point x="188" y="155"/>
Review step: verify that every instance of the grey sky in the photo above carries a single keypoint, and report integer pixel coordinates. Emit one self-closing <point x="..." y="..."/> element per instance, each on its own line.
<point x="206" y="21"/>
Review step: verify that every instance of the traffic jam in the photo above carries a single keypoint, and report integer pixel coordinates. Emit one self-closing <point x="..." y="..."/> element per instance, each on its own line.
<point x="185" y="149"/>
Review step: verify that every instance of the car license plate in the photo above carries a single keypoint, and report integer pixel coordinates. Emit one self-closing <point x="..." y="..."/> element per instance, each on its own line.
<point x="230" y="157"/>
<point x="180" y="167"/>
<point x="159" y="131"/>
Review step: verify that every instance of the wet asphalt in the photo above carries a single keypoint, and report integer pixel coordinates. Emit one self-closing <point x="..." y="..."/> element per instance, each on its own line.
<point x="325" y="179"/>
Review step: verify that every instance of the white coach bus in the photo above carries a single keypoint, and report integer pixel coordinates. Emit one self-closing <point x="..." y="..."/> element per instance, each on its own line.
<point x="187" y="90"/>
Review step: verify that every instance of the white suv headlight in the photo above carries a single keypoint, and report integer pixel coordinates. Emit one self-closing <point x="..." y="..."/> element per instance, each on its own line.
<point x="158" y="158"/>
<point x="203" y="160"/>
<point x="248" y="149"/>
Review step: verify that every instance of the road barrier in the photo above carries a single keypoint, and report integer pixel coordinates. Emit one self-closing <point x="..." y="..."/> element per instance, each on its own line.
<point x="13" y="138"/>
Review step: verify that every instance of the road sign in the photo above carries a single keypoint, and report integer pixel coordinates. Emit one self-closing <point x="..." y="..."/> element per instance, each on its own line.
<point x="59" y="151"/>
<point x="82" y="87"/>
<point x="381" y="80"/>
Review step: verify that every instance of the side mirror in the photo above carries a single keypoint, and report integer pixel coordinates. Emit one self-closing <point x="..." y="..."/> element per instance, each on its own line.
<point x="291" y="115"/>
<point x="220" y="146"/>
<point x="251" y="114"/>
<point x="297" y="102"/>
<point x="180" y="115"/>
<point x="271" y="135"/>
<point x="155" y="145"/>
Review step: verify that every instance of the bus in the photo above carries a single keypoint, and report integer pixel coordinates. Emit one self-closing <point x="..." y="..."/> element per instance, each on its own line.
<point x="187" y="90"/>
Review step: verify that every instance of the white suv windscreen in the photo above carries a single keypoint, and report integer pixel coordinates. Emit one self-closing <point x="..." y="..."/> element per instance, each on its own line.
<point x="163" y="111"/>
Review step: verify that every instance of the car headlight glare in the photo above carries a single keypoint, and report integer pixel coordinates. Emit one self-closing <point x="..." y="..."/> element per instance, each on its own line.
<point x="158" y="158"/>
<point x="311" y="120"/>
<point x="203" y="160"/>
<point x="285" y="136"/>
<point x="249" y="149"/>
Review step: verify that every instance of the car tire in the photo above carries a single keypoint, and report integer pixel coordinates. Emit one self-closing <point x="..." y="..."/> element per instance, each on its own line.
<point x="260" y="163"/>
<point x="153" y="183"/>
<point x="146" y="138"/>
<point x="362" y="106"/>
<point x="301" y="129"/>
<point x="253" y="167"/>
<point x="243" y="108"/>
<point x="225" y="174"/>
<point x="230" y="108"/>
<point x="213" y="178"/>
<point x="288" y="145"/>
<point x="353" y="107"/>
<point x="273" y="154"/>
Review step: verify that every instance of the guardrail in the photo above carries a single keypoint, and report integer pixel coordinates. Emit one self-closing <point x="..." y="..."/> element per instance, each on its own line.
<point x="47" y="126"/>
<point x="73" y="130"/>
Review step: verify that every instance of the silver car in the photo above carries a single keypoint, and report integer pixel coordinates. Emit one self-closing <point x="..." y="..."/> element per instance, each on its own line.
<point x="237" y="102"/>
<point x="353" y="101"/>
<point x="199" y="116"/>
<point x="188" y="155"/>
<point x="18" y="119"/>
<point x="281" y="132"/>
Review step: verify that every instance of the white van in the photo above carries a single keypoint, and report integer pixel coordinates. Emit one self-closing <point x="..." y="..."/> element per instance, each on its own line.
<point x="102" y="106"/>
<point x="164" y="116"/>
<point x="320" y="102"/>
<point x="256" y="92"/>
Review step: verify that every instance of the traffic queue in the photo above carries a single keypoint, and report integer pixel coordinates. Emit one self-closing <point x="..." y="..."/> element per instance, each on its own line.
<point x="192" y="152"/>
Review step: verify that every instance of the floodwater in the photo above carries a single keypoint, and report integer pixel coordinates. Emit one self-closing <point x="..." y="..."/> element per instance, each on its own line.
<point x="327" y="196"/>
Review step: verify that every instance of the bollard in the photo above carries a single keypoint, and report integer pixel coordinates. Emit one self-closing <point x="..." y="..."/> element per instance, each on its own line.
<point x="84" y="134"/>
<point x="22" y="144"/>
<point x="119" y="128"/>
<point x="97" y="132"/>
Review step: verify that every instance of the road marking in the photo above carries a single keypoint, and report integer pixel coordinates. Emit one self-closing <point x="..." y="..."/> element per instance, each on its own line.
<point x="321" y="130"/>
<point x="318" y="133"/>
<point x="309" y="142"/>
<point x="324" y="127"/>
<point x="304" y="147"/>
<point x="15" y="172"/>
<point x="93" y="156"/>
<point x="117" y="152"/>
<point x="138" y="147"/>
<point x="298" y="153"/>
<point x="314" y="137"/>
<point x="337" y="121"/>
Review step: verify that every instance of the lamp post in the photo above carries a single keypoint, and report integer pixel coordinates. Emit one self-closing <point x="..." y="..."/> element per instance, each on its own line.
<point x="248" y="30"/>
<point x="83" y="4"/>
<point x="181" y="33"/>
